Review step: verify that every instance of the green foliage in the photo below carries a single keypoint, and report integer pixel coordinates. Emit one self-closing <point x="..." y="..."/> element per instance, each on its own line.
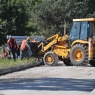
<point x="91" y="8"/>
<point x="41" y="17"/>
<point x="83" y="9"/>
<point x="15" y="17"/>
<point x="50" y="15"/>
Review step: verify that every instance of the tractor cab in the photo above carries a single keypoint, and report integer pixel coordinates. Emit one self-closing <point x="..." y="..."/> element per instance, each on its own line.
<point x="82" y="41"/>
<point x="82" y="29"/>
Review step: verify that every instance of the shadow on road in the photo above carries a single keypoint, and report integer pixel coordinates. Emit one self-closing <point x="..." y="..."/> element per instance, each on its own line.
<point x="49" y="84"/>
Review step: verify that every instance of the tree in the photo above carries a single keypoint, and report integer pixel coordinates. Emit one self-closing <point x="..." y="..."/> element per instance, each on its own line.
<point x="15" y="17"/>
<point x="50" y="16"/>
<point x="91" y="8"/>
<point x="42" y="17"/>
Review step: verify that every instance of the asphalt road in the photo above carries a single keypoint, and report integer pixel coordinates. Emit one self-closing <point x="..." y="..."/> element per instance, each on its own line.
<point x="44" y="80"/>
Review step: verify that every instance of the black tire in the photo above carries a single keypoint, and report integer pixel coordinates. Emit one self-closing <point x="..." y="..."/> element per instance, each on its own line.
<point x="53" y="57"/>
<point x="67" y="62"/>
<point x="83" y="54"/>
<point x="92" y="63"/>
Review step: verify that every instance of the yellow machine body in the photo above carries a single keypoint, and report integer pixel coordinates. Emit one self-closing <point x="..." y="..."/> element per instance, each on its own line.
<point x="61" y="47"/>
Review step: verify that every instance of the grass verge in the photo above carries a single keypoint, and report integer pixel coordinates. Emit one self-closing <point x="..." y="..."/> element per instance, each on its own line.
<point x="5" y="63"/>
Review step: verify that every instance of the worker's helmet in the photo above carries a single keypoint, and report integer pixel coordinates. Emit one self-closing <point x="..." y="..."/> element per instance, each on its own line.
<point x="28" y="38"/>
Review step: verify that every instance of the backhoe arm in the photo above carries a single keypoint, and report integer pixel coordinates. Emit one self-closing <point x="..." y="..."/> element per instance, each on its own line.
<point x="54" y="41"/>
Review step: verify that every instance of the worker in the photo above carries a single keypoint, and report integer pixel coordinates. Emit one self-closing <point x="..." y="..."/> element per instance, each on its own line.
<point x="12" y="46"/>
<point x="25" y="48"/>
<point x="18" y="51"/>
<point x="4" y="52"/>
<point x="34" y="40"/>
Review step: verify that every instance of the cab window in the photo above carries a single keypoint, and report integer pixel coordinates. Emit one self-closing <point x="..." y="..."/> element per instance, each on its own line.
<point x="83" y="34"/>
<point x="74" y="34"/>
<point x="94" y="30"/>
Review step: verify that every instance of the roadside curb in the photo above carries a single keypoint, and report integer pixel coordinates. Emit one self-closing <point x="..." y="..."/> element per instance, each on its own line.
<point x="92" y="92"/>
<point x="17" y="68"/>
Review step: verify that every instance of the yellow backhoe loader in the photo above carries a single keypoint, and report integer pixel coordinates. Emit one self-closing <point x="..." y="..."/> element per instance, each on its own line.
<point x="76" y="48"/>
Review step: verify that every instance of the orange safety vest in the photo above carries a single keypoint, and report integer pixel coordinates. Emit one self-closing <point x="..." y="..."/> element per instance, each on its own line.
<point x="10" y="43"/>
<point x="23" y="44"/>
<point x="34" y="40"/>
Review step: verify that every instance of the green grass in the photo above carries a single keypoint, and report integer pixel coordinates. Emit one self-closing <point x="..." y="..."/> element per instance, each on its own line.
<point x="0" y="51"/>
<point x="4" y="62"/>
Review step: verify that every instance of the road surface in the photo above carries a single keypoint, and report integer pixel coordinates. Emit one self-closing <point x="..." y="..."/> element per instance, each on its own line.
<point x="44" y="80"/>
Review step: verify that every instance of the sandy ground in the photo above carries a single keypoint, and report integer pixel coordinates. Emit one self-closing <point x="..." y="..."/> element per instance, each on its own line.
<point x="44" y="80"/>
